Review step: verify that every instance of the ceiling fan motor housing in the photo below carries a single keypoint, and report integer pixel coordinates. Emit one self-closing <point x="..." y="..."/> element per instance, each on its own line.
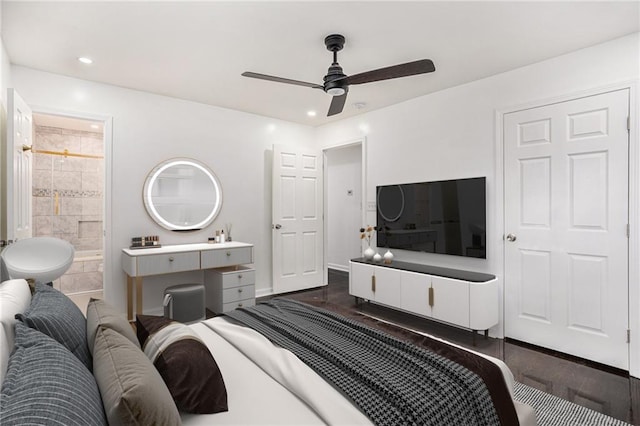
<point x="335" y="83"/>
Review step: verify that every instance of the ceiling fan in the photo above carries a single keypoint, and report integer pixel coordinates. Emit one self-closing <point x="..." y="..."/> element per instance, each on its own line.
<point x="336" y="83"/>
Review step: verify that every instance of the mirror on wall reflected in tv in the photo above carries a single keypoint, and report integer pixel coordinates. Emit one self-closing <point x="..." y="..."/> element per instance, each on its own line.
<point x="446" y="217"/>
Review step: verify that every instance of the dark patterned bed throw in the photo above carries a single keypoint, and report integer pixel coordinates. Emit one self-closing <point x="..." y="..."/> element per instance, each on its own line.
<point x="391" y="381"/>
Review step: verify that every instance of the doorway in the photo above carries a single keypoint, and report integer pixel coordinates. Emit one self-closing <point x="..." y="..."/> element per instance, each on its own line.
<point x="68" y="196"/>
<point x="344" y="204"/>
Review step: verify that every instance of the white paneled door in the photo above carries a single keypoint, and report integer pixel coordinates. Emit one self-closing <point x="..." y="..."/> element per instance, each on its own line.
<point x="297" y="219"/>
<point x="566" y="233"/>
<point x="18" y="168"/>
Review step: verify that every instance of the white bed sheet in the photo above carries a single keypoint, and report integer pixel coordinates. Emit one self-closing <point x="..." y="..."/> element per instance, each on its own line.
<point x="268" y="385"/>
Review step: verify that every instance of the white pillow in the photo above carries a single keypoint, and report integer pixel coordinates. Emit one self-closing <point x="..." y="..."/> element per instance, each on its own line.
<point x="15" y="297"/>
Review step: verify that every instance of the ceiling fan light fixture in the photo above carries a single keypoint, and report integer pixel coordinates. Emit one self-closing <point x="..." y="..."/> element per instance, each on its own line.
<point x="336" y="91"/>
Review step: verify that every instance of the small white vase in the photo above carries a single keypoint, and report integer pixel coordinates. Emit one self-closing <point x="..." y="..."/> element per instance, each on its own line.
<point x="377" y="257"/>
<point x="368" y="253"/>
<point x="388" y="257"/>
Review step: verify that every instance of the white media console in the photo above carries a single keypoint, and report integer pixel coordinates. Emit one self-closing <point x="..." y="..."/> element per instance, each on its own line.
<point x="463" y="298"/>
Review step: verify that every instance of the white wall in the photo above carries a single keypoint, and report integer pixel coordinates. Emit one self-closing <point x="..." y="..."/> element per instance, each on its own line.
<point x="148" y="129"/>
<point x="344" y="173"/>
<point x="452" y="134"/>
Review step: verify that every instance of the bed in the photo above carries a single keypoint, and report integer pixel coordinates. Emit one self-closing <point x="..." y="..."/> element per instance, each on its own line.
<point x="262" y="382"/>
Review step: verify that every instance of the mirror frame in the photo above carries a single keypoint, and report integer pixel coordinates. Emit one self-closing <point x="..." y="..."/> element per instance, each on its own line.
<point x="152" y="178"/>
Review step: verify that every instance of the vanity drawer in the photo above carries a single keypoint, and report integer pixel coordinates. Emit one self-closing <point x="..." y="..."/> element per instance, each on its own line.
<point x="240" y="277"/>
<point x="226" y="257"/>
<point x="238" y="304"/>
<point x="238" y="293"/>
<point x="166" y="263"/>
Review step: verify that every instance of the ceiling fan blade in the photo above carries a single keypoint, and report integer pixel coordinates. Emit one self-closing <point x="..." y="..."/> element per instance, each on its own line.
<point x="280" y="80"/>
<point x="337" y="103"/>
<point x="395" y="71"/>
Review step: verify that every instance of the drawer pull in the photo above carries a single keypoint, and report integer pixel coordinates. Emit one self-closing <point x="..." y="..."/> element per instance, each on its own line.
<point x="228" y="253"/>
<point x="171" y="259"/>
<point x="239" y="290"/>
<point x="239" y="305"/>
<point x="373" y="283"/>
<point x="240" y="276"/>
<point x="431" y="297"/>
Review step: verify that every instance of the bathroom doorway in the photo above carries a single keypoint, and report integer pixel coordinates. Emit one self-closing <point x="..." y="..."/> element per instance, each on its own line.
<point x="68" y="196"/>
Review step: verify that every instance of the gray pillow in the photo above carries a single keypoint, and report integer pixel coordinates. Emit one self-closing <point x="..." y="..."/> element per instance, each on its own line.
<point x="102" y="314"/>
<point x="54" y="314"/>
<point x="133" y="392"/>
<point x="46" y="384"/>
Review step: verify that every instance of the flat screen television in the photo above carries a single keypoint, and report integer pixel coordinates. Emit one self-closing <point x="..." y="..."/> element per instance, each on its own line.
<point x="446" y="217"/>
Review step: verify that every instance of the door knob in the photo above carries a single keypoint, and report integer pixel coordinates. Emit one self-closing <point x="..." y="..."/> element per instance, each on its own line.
<point x="277" y="226"/>
<point x="511" y="237"/>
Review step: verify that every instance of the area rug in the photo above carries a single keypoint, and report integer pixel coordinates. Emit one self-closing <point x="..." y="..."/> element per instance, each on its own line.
<point x="554" y="411"/>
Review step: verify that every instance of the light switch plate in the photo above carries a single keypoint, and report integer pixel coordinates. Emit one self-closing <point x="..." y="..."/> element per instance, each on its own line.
<point x="371" y="206"/>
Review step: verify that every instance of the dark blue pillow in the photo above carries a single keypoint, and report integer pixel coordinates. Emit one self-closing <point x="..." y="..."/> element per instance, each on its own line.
<point x="54" y="314"/>
<point x="46" y="385"/>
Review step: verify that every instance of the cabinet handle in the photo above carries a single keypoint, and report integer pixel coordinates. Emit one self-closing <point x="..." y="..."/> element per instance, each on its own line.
<point x="171" y="259"/>
<point x="239" y="305"/>
<point x="240" y="276"/>
<point x="431" y="297"/>
<point x="373" y="283"/>
<point x="239" y="290"/>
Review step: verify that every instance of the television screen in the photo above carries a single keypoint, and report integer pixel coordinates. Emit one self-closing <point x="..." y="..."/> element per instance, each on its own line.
<point x="447" y="217"/>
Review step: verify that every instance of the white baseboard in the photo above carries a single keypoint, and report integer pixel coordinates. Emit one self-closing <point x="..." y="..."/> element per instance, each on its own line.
<point x="335" y="266"/>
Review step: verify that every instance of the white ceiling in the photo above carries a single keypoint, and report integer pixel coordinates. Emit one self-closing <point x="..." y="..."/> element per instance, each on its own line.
<point x="197" y="50"/>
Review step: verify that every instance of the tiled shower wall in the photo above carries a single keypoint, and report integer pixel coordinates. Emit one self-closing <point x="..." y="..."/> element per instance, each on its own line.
<point x="67" y="199"/>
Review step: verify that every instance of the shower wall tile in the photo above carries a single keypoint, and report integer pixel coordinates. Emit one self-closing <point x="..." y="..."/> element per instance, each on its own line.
<point x="71" y="206"/>
<point x="42" y="206"/>
<point x="92" y="207"/>
<point x="41" y="179"/>
<point x="66" y="180"/>
<point x="65" y="225"/>
<point x="68" y="164"/>
<point x="42" y="162"/>
<point x="42" y="226"/>
<point x="89" y="229"/>
<point x="91" y="181"/>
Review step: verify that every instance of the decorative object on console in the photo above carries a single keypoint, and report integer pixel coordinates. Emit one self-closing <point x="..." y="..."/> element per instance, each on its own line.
<point x="388" y="257"/>
<point x="150" y="241"/>
<point x="366" y="234"/>
<point x="377" y="257"/>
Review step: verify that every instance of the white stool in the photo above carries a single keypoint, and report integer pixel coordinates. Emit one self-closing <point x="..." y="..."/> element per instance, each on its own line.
<point x="185" y="303"/>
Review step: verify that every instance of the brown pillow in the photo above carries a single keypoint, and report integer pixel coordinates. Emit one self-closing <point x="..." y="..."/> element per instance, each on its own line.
<point x="102" y="314"/>
<point x="185" y="364"/>
<point x="132" y="391"/>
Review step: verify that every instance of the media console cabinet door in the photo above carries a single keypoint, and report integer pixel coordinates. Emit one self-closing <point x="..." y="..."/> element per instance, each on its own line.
<point x="387" y="286"/>
<point x="414" y="295"/>
<point x="450" y="300"/>
<point x="361" y="281"/>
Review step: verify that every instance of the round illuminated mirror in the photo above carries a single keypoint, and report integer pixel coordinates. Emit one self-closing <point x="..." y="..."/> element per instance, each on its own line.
<point x="182" y="195"/>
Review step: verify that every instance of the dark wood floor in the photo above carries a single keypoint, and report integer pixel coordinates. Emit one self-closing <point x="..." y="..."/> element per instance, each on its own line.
<point x="608" y="391"/>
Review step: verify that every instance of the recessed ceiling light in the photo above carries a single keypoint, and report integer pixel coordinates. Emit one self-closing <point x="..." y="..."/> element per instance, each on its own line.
<point x="94" y="126"/>
<point x="85" y="60"/>
<point x="311" y="113"/>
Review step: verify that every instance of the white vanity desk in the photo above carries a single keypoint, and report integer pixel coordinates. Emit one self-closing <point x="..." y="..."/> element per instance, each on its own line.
<point x="140" y="263"/>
